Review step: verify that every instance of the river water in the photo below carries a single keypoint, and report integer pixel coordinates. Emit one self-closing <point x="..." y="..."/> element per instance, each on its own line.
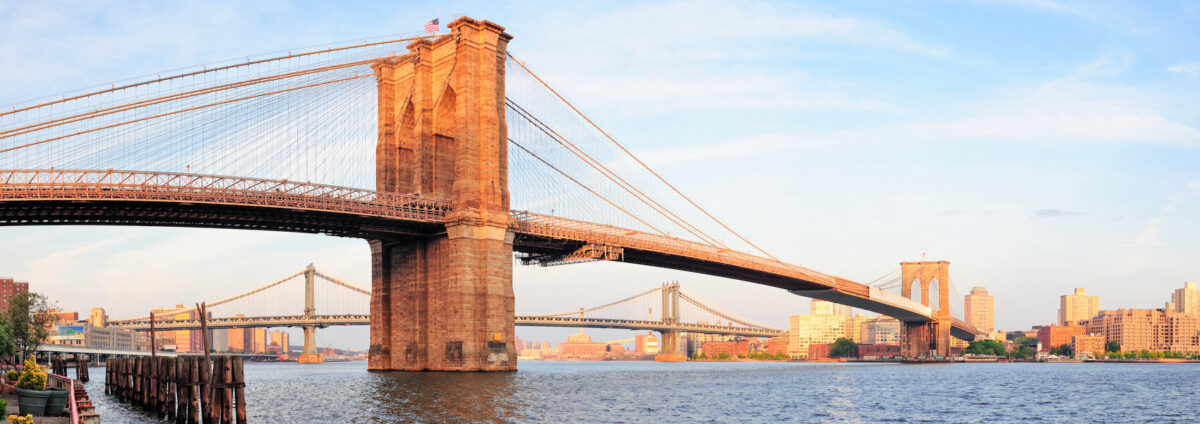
<point x="651" y="392"/>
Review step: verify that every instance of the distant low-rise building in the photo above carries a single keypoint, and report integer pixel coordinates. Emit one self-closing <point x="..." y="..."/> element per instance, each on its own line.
<point x="818" y="351"/>
<point x="881" y="330"/>
<point x="877" y="351"/>
<point x="645" y="344"/>
<point x="731" y="348"/>
<point x="805" y="330"/>
<point x="1053" y="336"/>
<point x="87" y="335"/>
<point x="1153" y="330"/>
<point x="1088" y="345"/>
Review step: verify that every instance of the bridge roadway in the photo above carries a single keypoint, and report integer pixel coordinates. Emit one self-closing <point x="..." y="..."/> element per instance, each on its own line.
<point x="68" y="349"/>
<point x="109" y="197"/>
<point x="521" y="320"/>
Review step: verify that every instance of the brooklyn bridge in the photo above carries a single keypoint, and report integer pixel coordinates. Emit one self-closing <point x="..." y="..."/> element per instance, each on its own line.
<point x="445" y="153"/>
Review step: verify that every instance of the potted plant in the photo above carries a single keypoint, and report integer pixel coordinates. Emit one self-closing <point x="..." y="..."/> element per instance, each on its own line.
<point x="56" y="402"/>
<point x="31" y="389"/>
<point x="10" y="381"/>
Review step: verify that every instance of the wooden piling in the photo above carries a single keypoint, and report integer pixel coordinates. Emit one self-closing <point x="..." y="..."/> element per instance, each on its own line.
<point x="137" y="381"/>
<point x="151" y="384"/>
<point x="227" y="389"/>
<point x="180" y="390"/>
<point x="239" y="385"/>
<point x="193" y="390"/>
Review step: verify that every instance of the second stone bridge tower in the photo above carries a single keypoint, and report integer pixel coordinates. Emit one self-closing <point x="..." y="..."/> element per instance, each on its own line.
<point x="445" y="302"/>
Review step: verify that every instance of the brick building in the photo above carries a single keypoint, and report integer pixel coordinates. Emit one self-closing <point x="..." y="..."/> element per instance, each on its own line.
<point x="777" y="345"/>
<point x="10" y="288"/>
<point x="818" y="351"/>
<point x="732" y="348"/>
<point x="1052" y="336"/>
<point x="1154" y="330"/>
<point x="872" y="351"/>
<point x="1088" y="345"/>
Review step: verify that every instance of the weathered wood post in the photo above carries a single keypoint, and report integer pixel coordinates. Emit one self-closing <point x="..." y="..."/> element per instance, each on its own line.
<point x="239" y="389"/>
<point x="205" y="367"/>
<point x="227" y="389"/>
<point x="193" y="390"/>
<point x="181" y="387"/>
<point x="151" y="384"/>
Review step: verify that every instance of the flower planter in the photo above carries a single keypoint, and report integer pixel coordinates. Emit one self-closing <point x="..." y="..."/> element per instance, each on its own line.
<point x="58" y="399"/>
<point x="32" y="401"/>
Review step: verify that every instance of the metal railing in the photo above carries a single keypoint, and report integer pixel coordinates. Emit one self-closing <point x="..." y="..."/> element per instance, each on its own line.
<point x="214" y="189"/>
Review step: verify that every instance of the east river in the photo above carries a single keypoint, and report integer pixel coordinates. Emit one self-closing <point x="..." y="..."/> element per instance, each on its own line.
<point x="649" y="392"/>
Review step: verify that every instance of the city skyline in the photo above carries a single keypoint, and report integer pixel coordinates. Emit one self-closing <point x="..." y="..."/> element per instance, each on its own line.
<point x="1082" y="201"/>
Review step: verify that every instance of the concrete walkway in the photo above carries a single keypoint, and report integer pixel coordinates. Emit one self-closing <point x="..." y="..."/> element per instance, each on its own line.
<point x="13" y="409"/>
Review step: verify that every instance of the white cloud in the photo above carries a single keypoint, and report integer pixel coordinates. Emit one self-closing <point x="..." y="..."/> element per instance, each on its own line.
<point x="1190" y="68"/>
<point x="1144" y="247"/>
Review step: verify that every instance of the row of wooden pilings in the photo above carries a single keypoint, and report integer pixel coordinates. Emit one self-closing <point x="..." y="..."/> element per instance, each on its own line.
<point x="185" y="389"/>
<point x="58" y="365"/>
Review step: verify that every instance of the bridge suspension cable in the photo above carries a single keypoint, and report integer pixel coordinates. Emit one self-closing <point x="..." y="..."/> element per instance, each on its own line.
<point x="718" y="311"/>
<point x="606" y="305"/>
<point x="638" y="160"/>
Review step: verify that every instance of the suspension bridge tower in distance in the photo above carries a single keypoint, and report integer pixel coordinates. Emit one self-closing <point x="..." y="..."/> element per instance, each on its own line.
<point x="445" y="302"/>
<point x="927" y="338"/>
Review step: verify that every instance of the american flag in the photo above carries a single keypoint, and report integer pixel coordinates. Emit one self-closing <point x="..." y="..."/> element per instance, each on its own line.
<point x="431" y="27"/>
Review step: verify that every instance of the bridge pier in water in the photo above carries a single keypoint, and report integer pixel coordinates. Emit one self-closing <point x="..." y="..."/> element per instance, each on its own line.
<point x="927" y="338"/>
<point x="445" y="302"/>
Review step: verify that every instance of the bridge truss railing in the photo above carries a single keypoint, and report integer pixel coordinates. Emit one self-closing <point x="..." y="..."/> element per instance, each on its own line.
<point x="214" y="189"/>
<point x="556" y="227"/>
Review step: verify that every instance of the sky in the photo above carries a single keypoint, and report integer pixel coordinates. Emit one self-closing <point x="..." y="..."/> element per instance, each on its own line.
<point x="1037" y="145"/>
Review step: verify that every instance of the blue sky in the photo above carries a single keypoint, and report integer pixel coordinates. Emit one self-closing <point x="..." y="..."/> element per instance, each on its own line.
<point x="1036" y="145"/>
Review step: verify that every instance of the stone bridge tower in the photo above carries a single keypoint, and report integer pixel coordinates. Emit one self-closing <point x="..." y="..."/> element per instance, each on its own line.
<point x="445" y="302"/>
<point x="925" y="338"/>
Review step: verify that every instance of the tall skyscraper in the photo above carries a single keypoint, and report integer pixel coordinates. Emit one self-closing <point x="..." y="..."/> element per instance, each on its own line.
<point x="821" y="307"/>
<point x="1077" y="307"/>
<point x="980" y="309"/>
<point x="1187" y="299"/>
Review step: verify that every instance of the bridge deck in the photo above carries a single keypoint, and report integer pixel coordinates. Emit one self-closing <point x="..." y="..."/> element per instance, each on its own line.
<point x="521" y="320"/>
<point x="49" y="197"/>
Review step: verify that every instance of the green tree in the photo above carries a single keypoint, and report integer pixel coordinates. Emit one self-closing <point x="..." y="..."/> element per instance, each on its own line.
<point x="1066" y="350"/>
<point x="28" y="318"/>
<point x="1112" y="347"/>
<point x="986" y="347"/>
<point x="1026" y="341"/>
<point x="8" y="349"/>
<point x="843" y="348"/>
<point x="723" y="355"/>
<point x="1023" y="352"/>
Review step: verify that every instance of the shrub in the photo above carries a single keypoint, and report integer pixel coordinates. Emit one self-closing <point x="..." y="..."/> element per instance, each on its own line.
<point x="33" y="377"/>
<point x="13" y="375"/>
<point x="723" y="355"/>
<point x="3" y="407"/>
